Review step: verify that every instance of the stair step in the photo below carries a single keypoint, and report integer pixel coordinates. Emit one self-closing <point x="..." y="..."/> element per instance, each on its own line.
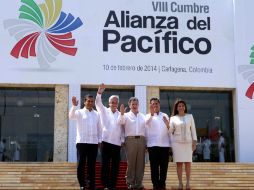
<point x="63" y="176"/>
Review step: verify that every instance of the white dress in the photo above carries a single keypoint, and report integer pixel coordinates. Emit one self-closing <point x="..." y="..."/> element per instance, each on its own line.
<point x="183" y="133"/>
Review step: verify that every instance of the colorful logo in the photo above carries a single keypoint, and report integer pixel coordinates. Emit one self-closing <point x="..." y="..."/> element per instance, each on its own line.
<point x="43" y="31"/>
<point x="247" y="72"/>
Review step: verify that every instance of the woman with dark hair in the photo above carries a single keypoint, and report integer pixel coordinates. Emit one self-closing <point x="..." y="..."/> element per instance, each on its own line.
<point x="184" y="139"/>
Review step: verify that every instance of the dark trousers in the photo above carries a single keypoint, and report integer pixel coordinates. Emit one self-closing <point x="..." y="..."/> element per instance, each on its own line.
<point x="110" y="152"/>
<point x="159" y="157"/>
<point x="86" y="156"/>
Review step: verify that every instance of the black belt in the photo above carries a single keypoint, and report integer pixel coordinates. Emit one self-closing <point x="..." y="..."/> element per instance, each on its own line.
<point x="134" y="137"/>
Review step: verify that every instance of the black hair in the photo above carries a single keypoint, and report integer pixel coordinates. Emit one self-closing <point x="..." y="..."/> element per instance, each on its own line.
<point x="178" y="101"/>
<point x="154" y="99"/>
<point x="88" y="96"/>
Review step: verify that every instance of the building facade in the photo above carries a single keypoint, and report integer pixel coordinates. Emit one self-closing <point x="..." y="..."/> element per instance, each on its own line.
<point x="194" y="50"/>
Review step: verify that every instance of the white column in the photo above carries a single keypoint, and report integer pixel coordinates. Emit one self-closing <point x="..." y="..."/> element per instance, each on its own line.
<point x="74" y="90"/>
<point x="140" y="93"/>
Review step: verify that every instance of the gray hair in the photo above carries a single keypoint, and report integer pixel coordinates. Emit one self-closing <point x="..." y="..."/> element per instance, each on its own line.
<point x="112" y="97"/>
<point x="133" y="99"/>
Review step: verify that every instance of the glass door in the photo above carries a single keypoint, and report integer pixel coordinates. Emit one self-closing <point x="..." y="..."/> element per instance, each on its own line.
<point x="26" y="124"/>
<point x="213" y="115"/>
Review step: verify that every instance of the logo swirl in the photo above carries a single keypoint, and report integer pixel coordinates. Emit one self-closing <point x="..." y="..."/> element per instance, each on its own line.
<point x="43" y="31"/>
<point x="247" y="72"/>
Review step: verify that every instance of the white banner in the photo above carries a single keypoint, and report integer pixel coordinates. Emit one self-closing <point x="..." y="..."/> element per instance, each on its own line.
<point x="244" y="54"/>
<point x="142" y="42"/>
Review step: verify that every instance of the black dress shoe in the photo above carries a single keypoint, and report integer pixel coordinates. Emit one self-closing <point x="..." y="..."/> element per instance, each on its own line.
<point x="93" y="188"/>
<point x="162" y="187"/>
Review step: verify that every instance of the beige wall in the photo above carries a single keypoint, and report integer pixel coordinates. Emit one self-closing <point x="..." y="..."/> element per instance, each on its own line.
<point x="61" y="123"/>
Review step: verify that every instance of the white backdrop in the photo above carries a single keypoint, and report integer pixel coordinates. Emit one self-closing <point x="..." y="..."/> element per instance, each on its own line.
<point x="92" y="65"/>
<point x="244" y="40"/>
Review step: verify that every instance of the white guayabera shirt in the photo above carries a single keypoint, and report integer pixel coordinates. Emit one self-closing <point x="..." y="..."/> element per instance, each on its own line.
<point x="88" y="125"/>
<point x="112" y="132"/>
<point x="157" y="131"/>
<point x="134" y="125"/>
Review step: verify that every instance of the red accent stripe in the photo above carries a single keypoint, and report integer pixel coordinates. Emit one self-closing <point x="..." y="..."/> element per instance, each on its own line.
<point x="61" y="47"/>
<point x="65" y="42"/>
<point x="27" y="48"/>
<point x="61" y="36"/>
<point x="15" y="52"/>
<point x="32" y="47"/>
<point x="250" y="91"/>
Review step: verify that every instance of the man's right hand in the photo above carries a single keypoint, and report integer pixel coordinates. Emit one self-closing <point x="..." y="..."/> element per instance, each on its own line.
<point x="74" y="101"/>
<point x="122" y="109"/>
<point x="151" y="109"/>
<point x="101" y="88"/>
<point x="166" y="121"/>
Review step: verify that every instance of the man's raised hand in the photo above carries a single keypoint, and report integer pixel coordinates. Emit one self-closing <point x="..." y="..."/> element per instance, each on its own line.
<point x="151" y="109"/>
<point x="74" y="101"/>
<point x="101" y="88"/>
<point x="122" y="109"/>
